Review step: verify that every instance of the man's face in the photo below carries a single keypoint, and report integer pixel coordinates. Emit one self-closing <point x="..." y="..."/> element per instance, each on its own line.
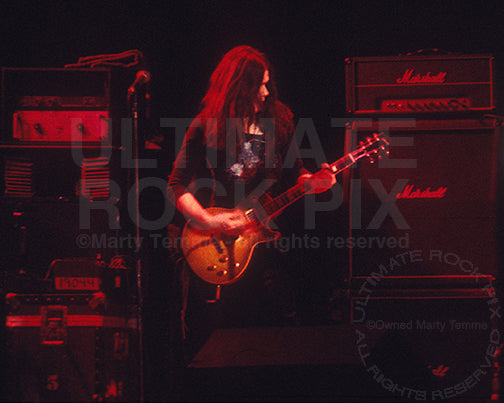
<point x="263" y="92"/>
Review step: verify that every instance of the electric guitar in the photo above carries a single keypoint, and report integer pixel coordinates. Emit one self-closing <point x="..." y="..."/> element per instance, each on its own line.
<point x="221" y="259"/>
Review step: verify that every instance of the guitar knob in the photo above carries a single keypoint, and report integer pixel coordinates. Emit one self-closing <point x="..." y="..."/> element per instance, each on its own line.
<point x="223" y="259"/>
<point x="221" y="273"/>
<point x="212" y="267"/>
<point x="237" y="265"/>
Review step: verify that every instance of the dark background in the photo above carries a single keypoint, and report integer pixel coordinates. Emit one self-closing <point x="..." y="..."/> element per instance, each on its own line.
<point x="306" y="41"/>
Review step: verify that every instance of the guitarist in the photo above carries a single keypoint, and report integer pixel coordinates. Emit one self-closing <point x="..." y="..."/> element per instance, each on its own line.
<point x="241" y="143"/>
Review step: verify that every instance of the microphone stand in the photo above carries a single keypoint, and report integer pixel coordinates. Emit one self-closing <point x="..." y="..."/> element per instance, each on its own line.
<point x="135" y="140"/>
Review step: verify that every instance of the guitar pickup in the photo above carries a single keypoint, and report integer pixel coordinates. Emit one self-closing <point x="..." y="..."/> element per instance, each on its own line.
<point x="252" y="217"/>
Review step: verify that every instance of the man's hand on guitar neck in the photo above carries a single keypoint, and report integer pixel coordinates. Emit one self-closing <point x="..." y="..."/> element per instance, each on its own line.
<point x="319" y="182"/>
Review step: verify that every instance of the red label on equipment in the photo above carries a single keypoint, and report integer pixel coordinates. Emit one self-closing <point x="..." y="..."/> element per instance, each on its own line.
<point x="77" y="283"/>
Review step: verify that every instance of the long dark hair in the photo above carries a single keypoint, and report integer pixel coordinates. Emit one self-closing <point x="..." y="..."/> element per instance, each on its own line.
<point x="233" y="90"/>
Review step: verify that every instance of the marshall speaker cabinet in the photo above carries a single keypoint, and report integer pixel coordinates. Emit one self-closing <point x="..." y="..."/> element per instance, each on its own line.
<point x="427" y="213"/>
<point x="424" y="220"/>
<point x="434" y="193"/>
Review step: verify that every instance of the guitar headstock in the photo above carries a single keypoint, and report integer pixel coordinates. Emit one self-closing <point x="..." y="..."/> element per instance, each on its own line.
<point x="374" y="147"/>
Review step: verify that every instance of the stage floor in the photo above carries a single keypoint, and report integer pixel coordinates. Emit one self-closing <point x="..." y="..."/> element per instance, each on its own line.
<point x="342" y="362"/>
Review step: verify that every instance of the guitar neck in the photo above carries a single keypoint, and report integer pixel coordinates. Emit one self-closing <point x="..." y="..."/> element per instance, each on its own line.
<point x="344" y="162"/>
<point x="275" y="206"/>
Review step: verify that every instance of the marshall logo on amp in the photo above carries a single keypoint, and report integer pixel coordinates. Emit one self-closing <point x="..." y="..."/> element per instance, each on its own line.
<point x="410" y="78"/>
<point x="410" y="192"/>
<point x="420" y="84"/>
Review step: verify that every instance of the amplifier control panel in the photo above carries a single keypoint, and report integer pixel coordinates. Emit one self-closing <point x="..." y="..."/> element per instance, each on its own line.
<point x="426" y="105"/>
<point x="61" y="126"/>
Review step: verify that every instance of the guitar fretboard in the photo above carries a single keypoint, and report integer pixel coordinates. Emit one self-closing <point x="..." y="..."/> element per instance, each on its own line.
<point x="343" y="163"/>
<point x="280" y="202"/>
<point x="276" y="205"/>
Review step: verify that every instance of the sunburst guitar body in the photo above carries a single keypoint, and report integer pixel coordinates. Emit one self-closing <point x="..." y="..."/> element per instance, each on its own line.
<point x="221" y="259"/>
<point x="218" y="258"/>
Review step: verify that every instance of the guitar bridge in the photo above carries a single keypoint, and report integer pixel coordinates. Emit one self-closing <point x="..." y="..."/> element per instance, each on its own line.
<point x="252" y="217"/>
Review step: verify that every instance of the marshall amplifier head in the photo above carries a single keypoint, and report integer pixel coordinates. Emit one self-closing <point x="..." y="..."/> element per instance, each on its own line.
<point x="420" y="84"/>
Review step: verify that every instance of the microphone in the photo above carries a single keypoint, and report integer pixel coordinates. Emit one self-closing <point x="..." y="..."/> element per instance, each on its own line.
<point x="142" y="77"/>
